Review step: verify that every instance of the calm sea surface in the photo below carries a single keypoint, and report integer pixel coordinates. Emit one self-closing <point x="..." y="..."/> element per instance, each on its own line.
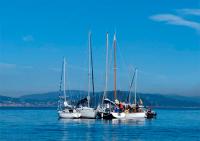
<point x="43" y="124"/>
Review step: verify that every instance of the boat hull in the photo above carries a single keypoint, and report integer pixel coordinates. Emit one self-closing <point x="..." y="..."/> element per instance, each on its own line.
<point x="113" y="115"/>
<point x="107" y="116"/>
<point x="87" y="112"/>
<point x="68" y="115"/>
<point x="135" y="115"/>
<point x="151" y="115"/>
<point x="118" y="115"/>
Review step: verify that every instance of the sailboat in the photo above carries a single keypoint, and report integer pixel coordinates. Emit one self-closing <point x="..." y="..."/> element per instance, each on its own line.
<point x="87" y="111"/>
<point x="113" y="109"/>
<point x="103" y="106"/>
<point x="66" y="110"/>
<point x="135" y="110"/>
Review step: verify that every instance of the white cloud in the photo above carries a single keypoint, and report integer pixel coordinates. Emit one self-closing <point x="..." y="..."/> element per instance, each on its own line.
<point x="13" y="66"/>
<point x="7" y="65"/>
<point x="186" y="11"/>
<point x="175" y="20"/>
<point x="28" y="38"/>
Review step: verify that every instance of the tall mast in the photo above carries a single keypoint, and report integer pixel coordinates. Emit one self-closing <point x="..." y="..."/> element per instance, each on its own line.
<point x="64" y="83"/>
<point x="135" y="100"/>
<point x="88" y="98"/>
<point x="90" y="40"/>
<point x="106" y="74"/>
<point x="115" y="69"/>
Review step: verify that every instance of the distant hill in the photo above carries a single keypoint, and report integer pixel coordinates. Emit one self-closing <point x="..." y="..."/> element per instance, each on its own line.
<point x="50" y="99"/>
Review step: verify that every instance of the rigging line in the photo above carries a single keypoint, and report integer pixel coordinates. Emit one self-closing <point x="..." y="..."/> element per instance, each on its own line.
<point x="110" y="63"/>
<point x="97" y="71"/>
<point x="61" y="79"/>
<point x="115" y="71"/>
<point x="137" y="84"/>
<point x="64" y="78"/>
<point x="130" y="70"/>
<point x="106" y="73"/>
<point x="121" y="56"/>
<point x="124" y="64"/>
<point x="60" y="89"/>
<point x="68" y="82"/>
<point x="139" y="71"/>
<point x="136" y="81"/>
<point x="79" y="92"/>
<point x="130" y="76"/>
<point x="89" y="68"/>
<point x="129" y="95"/>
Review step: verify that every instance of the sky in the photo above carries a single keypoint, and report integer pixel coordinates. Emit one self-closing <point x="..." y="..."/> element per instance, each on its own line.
<point x="160" y="38"/>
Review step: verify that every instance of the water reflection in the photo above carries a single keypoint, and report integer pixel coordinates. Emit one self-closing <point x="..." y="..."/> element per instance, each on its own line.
<point x="43" y="125"/>
<point x="99" y="129"/>
<point x="82" y="121"/>
<point x="129" y="121"/>
<point x="139" y="121"/>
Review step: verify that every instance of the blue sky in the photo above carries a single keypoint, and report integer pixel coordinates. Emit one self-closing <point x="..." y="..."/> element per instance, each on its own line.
<point x="160" y="38"/>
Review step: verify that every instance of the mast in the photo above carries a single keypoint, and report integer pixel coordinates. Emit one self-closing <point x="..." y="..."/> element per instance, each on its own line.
<point x="106" y="74"/>
<point x="64" y="83"/>
<point x="60" y="88"/>
<point x="88" y="98"/>
<point x="90" y="40"/>
<point x="135" y="100"/>
<point x="115" y="69"/>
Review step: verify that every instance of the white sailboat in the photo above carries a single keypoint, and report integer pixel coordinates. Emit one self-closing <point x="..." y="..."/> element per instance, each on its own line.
<point x="110" y="110"/>
<point x="87" y="111"/>
<point x="102" y="107"/>
<point x="64" y="109"/>
<point x="138" y="111"/>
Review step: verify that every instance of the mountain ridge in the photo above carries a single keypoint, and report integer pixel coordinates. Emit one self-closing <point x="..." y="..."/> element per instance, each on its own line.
<point x="49" y="99"/>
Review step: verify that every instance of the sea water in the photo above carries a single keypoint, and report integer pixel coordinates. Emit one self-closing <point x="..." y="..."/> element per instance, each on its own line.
<point x="28" y="124"/>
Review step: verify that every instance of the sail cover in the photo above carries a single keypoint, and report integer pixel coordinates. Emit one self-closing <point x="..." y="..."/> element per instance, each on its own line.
<point x="82" y="101"/>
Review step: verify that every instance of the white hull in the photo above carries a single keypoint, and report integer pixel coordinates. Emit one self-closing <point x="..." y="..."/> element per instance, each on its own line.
<point x="87" y="112"/>
<point x="68" y="115"/>
<point x="135" y="115"/>
<point x="118" y="115"/>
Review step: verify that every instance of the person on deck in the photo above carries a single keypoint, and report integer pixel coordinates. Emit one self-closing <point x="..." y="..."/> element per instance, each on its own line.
<point x="137" y="108"/>
<point x="121" y="107"/>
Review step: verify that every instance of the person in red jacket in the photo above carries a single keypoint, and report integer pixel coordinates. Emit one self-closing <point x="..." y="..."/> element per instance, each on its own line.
<point x="121" y="107"/>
